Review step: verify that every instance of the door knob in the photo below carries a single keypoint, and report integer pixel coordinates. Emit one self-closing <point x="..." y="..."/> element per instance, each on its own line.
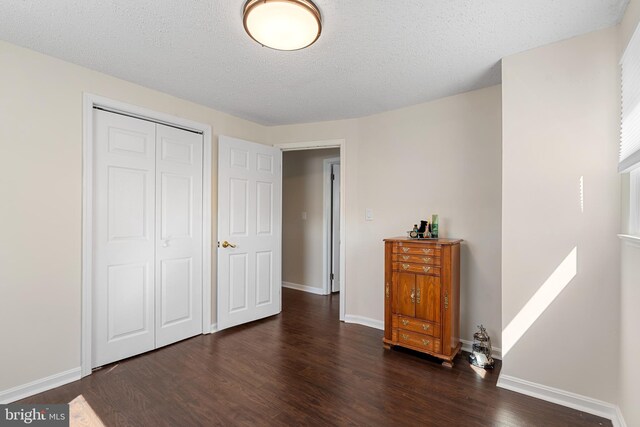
<point x="226" y="244"/>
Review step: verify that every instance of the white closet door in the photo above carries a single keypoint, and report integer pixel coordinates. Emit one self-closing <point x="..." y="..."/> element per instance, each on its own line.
<point x="124" y="228"/>
<point x="179" y="235"/>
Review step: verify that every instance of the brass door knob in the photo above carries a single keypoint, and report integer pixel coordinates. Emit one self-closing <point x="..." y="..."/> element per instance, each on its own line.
<point x="226" y="244"/>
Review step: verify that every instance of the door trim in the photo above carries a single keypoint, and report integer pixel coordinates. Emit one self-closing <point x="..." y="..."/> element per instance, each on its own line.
<point x="88" y="102"/>
<point x="342" y="145"/>
<point x="326" y="222"/>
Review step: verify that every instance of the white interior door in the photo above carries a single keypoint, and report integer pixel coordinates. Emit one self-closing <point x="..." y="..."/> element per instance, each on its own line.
<point x="249" y="218"/>
<point x="124" y="237"/>
<point x="335" y="228"/>
<point x="147" y="243"/>
<point x="179" y="235"/>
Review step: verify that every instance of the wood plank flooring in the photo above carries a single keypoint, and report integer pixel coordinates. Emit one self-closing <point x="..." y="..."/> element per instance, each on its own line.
<point x="302" y="367"/>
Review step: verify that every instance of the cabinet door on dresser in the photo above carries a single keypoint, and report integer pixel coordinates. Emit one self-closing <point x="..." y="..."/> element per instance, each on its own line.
<point x="418" y="296"/>
<point x="406" y="292"/>
<point x="428" y="298"/>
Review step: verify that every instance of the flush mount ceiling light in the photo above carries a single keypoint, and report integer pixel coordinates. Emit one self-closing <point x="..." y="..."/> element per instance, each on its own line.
<point x="282" y="24"/>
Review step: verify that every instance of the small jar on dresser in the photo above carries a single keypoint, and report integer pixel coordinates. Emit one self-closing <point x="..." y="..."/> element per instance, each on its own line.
<point x="422" y="296"/>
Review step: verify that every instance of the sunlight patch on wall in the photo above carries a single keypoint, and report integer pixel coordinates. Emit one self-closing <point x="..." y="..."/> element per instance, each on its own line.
<point x="539" y="302"/>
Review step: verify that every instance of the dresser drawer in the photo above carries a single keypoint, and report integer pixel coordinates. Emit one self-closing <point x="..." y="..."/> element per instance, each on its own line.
<point x="417" y="325"/>
<point x="419" y="341"/>
<point x="408" y="249"/>
<point x="416" y="268"/>
<point x="416" y="259"/>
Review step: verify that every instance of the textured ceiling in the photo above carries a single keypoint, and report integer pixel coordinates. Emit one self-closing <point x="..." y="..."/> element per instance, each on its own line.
<point x="373" y="55"/>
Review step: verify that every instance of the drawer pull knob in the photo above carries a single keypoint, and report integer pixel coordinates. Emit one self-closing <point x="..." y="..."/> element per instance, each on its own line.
<point x="426" y="259"/>
<point x="413" y="296"/>
<point x="426" y="326"/>
<point x="405" y="250"/>
<point x="418" y="297"/>
<point x="405" y="322"/>
<point x="427" y="251"/>
<point x="405" y="266"/>
<point x="426" y="342"/>
<point x="405" y="337"/>
<point x="405" y="257"/>
<point x="426" y="269"/>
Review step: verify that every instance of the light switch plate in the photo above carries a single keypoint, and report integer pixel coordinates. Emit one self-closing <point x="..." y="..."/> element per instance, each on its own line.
<point x="368" y="214"/>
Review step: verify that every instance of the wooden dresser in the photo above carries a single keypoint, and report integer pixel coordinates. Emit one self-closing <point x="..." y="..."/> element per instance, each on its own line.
<point x="422" y="296"/>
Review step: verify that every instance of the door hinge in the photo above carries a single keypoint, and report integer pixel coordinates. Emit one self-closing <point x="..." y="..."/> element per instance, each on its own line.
<point x="333" y="177"/>
<point x="332" y="276"/>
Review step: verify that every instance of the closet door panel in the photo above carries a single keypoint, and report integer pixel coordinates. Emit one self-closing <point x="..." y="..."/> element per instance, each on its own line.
<point x="124" y="228"/>
<point x="179" y="235"/>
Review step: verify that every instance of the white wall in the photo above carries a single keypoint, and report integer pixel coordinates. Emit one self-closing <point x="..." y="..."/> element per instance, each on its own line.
<point x="41" y="192"/>
<point x="302" y="239"/>
<point x="439" y="157"/>
<point x="560" y="122"/>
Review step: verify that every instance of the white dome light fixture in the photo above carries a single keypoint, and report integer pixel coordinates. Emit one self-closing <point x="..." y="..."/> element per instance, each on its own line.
<point x="282" y="24"/>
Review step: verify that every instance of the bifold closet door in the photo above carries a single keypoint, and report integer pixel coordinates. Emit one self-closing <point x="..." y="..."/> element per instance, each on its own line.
<point x="179" y="235"/>
<point x="124" y="229"/>
<point x="147" y="243"/>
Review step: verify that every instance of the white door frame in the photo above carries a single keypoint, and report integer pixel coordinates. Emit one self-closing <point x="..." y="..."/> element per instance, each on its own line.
<point x="342" y="144"/>
<point x="90" y="101"/>
<point x="327" y="233"/>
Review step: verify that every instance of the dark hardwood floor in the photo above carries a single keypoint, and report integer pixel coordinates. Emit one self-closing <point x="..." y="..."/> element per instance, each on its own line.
<point x="302" y="367"/>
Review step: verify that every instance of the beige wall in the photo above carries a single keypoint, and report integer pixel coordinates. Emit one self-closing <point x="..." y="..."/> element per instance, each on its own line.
<point x="560" y="122"/>
<point x="630" y="273"/>
<point x="440" y="157"/>
<point x="302" y="239"/>
<point x="629" y="335"/>
<point x="41" y="190"/>
<point x="628" y="24"/>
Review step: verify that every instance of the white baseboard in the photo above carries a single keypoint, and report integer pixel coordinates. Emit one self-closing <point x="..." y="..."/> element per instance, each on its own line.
<point x="564" y="398"/>
<point x="214" y="328"/>
<point x="496" y="352"/>
<point x="304" y="288"/>
<point x="621" y="422"/>
<point x="38" y="386"/>
<point x="365" y="321"/>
